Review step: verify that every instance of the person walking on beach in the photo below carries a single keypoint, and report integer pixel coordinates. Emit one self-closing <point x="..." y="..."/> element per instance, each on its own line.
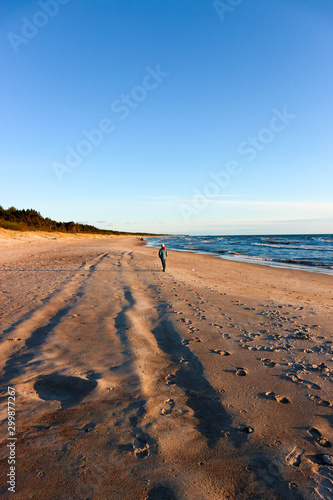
<point x="163" y="253"/>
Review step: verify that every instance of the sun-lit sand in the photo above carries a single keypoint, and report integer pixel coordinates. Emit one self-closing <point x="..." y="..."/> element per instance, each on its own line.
<point x="210" y="381"/>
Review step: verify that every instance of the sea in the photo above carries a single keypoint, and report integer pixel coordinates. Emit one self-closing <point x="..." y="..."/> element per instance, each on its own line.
<point x="310" y="252"/>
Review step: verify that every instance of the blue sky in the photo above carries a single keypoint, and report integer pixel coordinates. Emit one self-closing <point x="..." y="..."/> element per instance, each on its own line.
<point x="195" y="117"/>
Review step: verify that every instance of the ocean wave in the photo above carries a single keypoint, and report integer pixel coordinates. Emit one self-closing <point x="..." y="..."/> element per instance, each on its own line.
<point x="279" y="242"/>
<point x="275" y="245"/>
<point x="250" y="257"/>
<point x="257" y="258"/>
<point x="295" y="262"/>
<point x="302" y="262"/>
<point x="294" y="247"/>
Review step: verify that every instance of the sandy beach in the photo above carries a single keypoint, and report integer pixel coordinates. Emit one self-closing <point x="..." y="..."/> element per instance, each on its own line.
<point x="210" y="381"/>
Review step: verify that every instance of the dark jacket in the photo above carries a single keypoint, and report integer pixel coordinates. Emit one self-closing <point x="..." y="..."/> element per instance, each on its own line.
<point x="162" y="254"/>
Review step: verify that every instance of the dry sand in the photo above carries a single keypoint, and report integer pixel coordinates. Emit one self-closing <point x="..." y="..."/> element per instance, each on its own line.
<point x="210" y="381"/>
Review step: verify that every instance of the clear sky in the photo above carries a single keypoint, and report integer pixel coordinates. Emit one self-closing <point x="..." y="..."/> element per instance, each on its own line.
<point x="179" y="116"/>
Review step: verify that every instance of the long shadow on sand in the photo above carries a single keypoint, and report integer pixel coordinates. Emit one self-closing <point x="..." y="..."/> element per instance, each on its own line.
<point x="120" y="321"/>
<point x="47" y="299"/>
<point x="28" y="315"/>
<point x="15" y="364"/>
<point x="201" y="396"/>
<point x="92" y="267"/>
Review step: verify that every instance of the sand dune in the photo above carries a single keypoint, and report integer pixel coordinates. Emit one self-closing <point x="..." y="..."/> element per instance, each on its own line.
<point x="210" y="381"/>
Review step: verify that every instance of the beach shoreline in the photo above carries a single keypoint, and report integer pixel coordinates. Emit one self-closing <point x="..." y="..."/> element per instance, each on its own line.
<point x="211" y="381"/>
<point x="249" y="249"/>
<point x="254" y="262"/>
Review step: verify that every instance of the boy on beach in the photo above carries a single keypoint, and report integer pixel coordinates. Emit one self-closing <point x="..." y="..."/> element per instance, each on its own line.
<point x="163" y="253"/>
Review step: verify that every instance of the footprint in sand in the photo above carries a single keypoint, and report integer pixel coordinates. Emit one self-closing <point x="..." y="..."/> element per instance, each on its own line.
<point x="327" y="459"/>
<point x="318" y="438"/>
<point x="185" y="320"/>
<point x="268" y="362"/>
<point x="294" y="457"/>
<point x="170" y="379"/>
<point x="141" y="447"/>
<point x="247" y="429"/>
<point x="296" y="379"/>
<point x="169" y="406"/>
<point x="279" y="399"/>
<point x="282" y="399"/>
<point x="187" y="341"/>
<point x="193" y="329"/>
<point x="318" y="400"/>
<point x="219" y="351"/>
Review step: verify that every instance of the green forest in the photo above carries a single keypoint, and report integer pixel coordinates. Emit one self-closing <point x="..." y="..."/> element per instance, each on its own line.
<point x="31" y="220"/>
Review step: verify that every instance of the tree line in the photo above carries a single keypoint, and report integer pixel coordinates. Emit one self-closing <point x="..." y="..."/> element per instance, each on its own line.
<point x="31" y="220"/>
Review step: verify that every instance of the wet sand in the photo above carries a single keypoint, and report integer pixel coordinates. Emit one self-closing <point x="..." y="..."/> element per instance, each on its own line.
<point x="210" y="381"/>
